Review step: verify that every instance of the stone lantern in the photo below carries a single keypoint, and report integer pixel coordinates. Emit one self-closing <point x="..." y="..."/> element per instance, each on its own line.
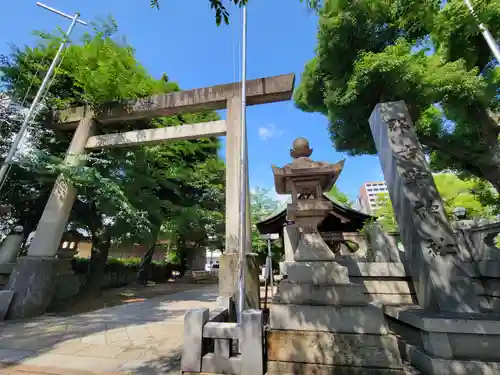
<point x="68" y="247"/>
<point x="11" y="245"/>
<point x="306" y="180"/>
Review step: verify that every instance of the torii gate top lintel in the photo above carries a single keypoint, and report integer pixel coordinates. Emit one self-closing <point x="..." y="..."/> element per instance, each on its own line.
<point x="259" y="91"/>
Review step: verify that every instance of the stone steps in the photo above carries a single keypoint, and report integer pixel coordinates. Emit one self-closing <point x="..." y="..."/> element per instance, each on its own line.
<point x="328" y="348"/>
<point x="312" y="294"/>
<point x="367" y="319"/>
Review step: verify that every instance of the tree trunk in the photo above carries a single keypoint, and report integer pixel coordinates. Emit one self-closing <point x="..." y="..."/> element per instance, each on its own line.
<point x="101" y="243"/>
<point x="144" y="268"/>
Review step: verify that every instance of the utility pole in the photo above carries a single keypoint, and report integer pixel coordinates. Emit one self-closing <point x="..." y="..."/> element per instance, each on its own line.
<point x="4" y="170"/>
<point x="244" y="219"/>
<point x="486" y="34"/>
<point x="268" y="271"/>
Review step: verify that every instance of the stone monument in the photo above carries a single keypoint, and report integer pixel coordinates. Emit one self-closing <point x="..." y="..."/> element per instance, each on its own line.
<point x="440" y="279"/>
<point x="452" y="330"/>
<point x="319" y="320"/>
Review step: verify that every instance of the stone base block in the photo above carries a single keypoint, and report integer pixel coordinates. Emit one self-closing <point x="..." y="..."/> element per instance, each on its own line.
<point x="448" y="343"/>
<point x="228" y="279"/>
<point x="338" y="349"/>
<point x="66" y="287"/>
<point x="6" y="268"/>
<point x="375" y="269"/>
<point x="311" y="247"/>
<point x="436" y="366"/>
<point x="368" y="319"/>
<point x="321" y="273"/>
<point x="489" y="268"/>
<point x="393" y="299"/>
<point x="312" y="294"/>
<point x="381" y="286"/>
<point x="5" y="299"/>
<point x="32" y="282"/>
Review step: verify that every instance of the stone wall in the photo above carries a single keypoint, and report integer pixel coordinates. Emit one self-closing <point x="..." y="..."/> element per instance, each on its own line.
<point x="69" y="285"/>
<point x="388" y="283"/>
<point x="380" y="263"/>
<point x="479" y="249"/>
<point x="386" y="274"/>
<point x="122" y="252"/>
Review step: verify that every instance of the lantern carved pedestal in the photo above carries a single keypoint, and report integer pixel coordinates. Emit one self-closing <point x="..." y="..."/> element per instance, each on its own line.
<point x="317" y="306"/>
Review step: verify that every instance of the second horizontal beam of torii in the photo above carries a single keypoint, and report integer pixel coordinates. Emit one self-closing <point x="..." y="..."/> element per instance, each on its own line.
<point x="259" y="91"/>
<point x="157" y="135"/>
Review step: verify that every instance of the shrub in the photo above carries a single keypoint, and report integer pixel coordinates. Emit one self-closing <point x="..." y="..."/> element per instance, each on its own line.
<point x="159" y="272"/>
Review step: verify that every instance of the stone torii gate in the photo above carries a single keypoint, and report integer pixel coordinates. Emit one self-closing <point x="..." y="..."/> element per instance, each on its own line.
<point x="32" y="278"/>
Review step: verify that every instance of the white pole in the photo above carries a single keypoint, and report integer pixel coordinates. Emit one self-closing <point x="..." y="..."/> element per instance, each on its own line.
<point x="10" y="155"/>
<point x="486" y="34"/>
<point x="269" y="261"/>
<point x="243" y="173"/>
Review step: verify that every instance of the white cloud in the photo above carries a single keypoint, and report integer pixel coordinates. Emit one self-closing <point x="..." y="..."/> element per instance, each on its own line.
<point x="268" y="132"/>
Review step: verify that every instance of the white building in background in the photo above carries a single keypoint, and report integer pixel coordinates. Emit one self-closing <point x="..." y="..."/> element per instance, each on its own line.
<point x="367" y="199"/>
<point x="213" y="258"/>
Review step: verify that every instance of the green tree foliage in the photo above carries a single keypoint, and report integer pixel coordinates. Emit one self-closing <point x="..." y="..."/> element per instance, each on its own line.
<point x="263" y="206"/>
<point x="221" y="12"/>
<point x="385" y="213"/>
<point x="339" y="196"/>
<point x="124" y="195"/>
<point x="487" y="195"/>
<point x="429" y="53"/>
<point x="454" y="191"/>
<point x="199" y="222"/>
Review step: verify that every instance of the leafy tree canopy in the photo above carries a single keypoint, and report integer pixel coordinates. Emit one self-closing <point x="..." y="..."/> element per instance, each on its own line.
<point x="339" y="196"/>
<point x="454" y="191"/>
<point x="263" y="206"/>
<point x="122" y="194"/>
<point x="428" y="53"/>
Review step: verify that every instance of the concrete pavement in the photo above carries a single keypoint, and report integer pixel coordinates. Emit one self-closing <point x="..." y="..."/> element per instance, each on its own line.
<point x="139" y="338"/>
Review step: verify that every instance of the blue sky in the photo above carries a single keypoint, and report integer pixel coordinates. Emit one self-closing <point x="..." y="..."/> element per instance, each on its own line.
<point x="182" y="40"/>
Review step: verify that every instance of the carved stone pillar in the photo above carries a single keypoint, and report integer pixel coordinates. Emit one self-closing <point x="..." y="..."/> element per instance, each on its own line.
<point x="441" y="280"/>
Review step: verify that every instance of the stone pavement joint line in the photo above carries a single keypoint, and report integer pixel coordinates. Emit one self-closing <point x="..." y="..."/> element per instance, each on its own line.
<point x="137" y="338"/>
<point x="14" y="369"/>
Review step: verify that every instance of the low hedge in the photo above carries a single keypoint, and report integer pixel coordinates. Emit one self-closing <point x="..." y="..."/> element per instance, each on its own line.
<point x="159" y="272"/>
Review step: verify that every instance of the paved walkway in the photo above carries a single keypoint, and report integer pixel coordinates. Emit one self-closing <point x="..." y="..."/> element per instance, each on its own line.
<point x="137" y="338"/>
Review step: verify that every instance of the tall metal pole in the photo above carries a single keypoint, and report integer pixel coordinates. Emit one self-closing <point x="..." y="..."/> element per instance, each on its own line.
<point x="12" y="151"/>
<point x="269" y="261"/>
<point x="243" y="173"/>
<point x="486" y="34"/>
<point x="269" y="270"/>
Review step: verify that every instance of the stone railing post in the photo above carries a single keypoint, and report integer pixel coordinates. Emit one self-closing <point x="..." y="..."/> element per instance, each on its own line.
<point x="193" y="350"/>
<point x="252" y="360"/>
